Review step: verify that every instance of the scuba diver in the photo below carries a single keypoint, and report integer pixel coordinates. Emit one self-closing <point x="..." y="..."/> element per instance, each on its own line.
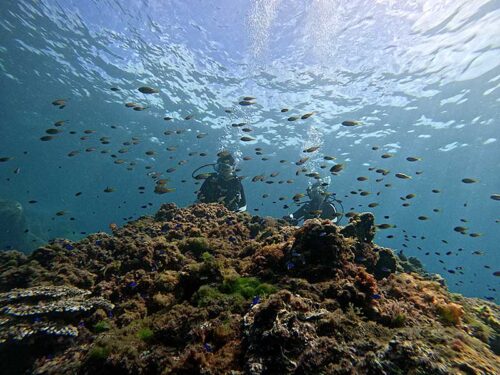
<point x="321" y="205"/>
<point x="223" y="186"/>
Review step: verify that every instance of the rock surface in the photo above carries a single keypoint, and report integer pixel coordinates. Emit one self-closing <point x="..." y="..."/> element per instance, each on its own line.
<point x="203" y="290"/>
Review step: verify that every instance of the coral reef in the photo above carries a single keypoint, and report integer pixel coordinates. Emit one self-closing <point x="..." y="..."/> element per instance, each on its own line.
<point x="203" y="290"/>
<point x="44" y="310"/>
<point x="361" y="226"/>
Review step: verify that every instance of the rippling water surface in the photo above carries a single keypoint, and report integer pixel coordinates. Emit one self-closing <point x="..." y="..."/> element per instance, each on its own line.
<point x="422" y="77"/>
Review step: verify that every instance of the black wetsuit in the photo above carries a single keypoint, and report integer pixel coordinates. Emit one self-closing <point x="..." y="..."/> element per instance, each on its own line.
<point x="305" y="212"/>
<point x="216" y="189"/>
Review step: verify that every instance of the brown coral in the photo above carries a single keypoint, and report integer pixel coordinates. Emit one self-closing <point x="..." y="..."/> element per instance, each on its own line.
<point x="361" y="226"/>
<point x="319" y="250"/>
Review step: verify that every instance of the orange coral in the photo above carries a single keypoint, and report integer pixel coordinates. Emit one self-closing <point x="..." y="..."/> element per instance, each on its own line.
<point x="451" y="313"/>
<point x="424" y="294"/>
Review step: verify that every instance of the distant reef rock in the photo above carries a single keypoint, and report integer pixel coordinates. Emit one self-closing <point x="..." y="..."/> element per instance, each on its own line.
<point x="203" y="290"/>
<point x="15" y="232"/>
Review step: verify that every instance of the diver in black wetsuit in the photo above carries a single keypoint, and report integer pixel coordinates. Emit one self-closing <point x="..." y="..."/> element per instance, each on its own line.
<point x="319" y="206"/>
<point x="223" y="186"/>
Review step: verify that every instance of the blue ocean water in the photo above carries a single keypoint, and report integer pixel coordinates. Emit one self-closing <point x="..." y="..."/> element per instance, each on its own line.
<point x="422" y="78"/>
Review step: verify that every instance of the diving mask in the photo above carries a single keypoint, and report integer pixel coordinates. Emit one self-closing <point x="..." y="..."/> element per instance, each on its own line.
<point x="224" y="168"/>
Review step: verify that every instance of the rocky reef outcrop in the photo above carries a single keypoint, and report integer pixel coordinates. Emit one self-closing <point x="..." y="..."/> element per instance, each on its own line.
<point x="16" y="232"/>
<point x="203" y="290"/>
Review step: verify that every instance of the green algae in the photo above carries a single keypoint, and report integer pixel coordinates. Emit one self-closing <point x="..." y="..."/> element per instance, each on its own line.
<point x="488" y="316"/>
<point x="207" y="296"/>
<point x="481" y="330"/>
<point x="233" y="290"/>
<point x="99" y="353"/>
<point x="145" y="334"/>
<point x="102" y="326"/>
<point x="247" y="287"/>
<point x="206" y="257"/>
<point x="196" y="245"/>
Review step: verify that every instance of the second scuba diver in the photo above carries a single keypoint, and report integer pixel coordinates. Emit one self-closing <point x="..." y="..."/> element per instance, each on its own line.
<point x="223" y="185"/>
<point x="320" y="205"/>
